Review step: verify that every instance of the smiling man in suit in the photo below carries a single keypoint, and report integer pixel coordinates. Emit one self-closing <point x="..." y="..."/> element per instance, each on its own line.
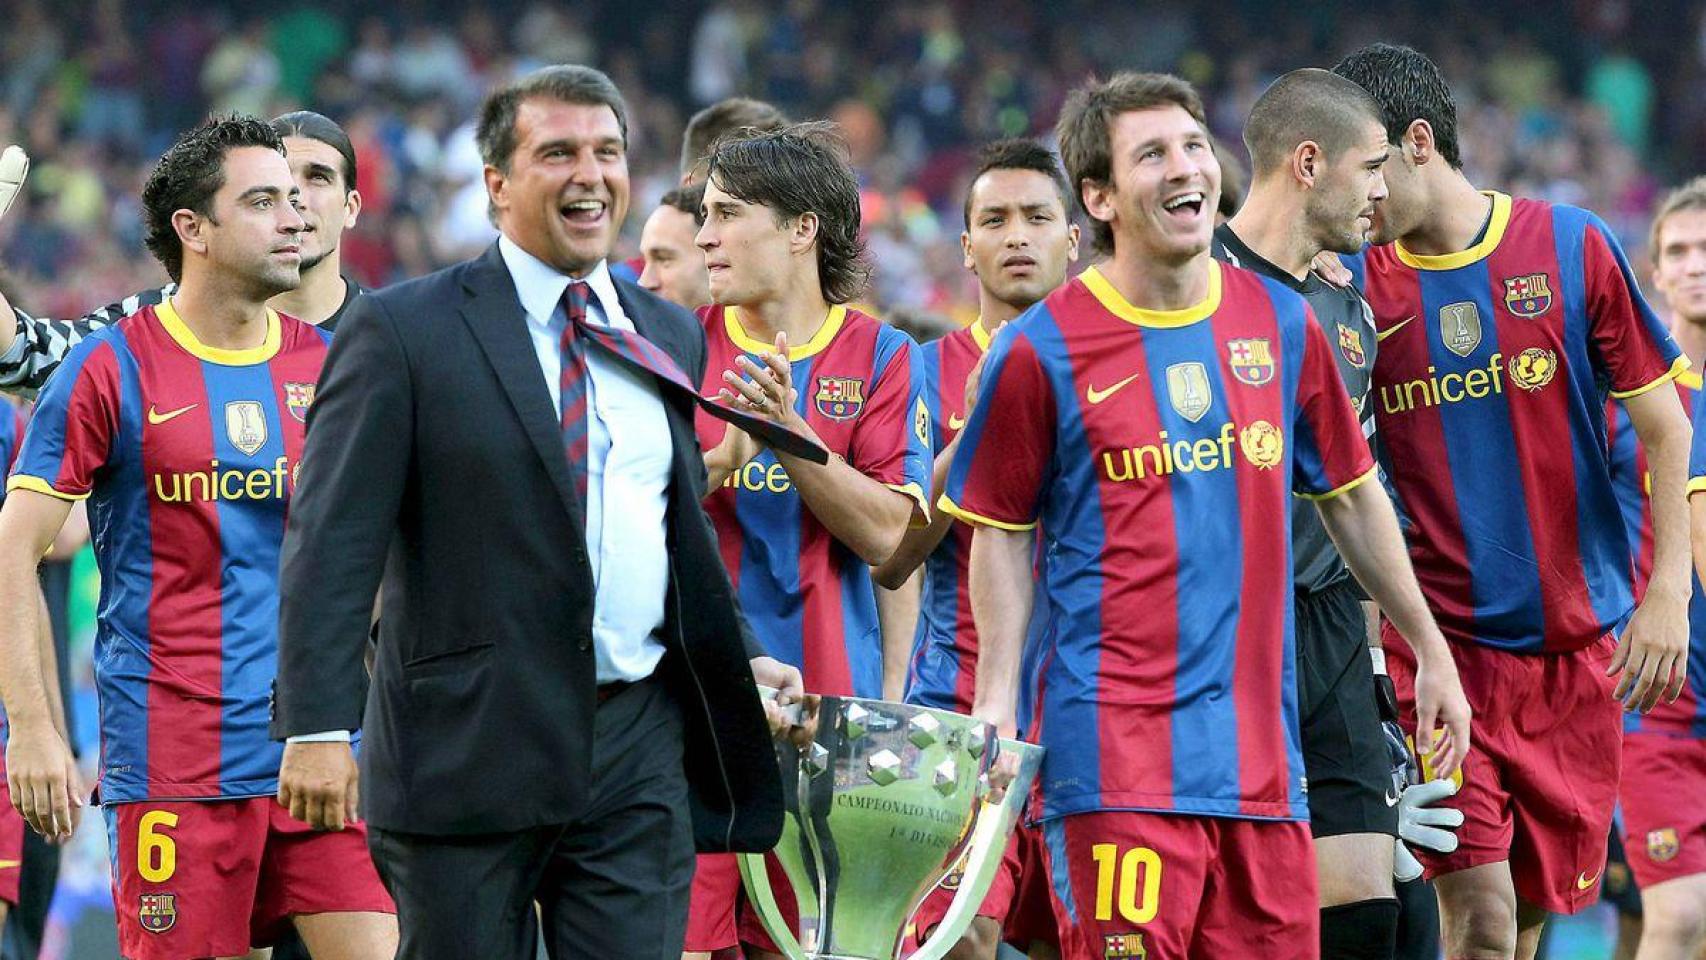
<point x="562" y="704"/>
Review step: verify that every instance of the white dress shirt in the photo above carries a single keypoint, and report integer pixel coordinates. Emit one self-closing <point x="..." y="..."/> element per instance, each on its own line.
<point x="629" y="455"/>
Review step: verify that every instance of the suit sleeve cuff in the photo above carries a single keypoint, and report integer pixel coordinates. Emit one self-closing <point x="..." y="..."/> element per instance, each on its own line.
<point x="328" y="736"/>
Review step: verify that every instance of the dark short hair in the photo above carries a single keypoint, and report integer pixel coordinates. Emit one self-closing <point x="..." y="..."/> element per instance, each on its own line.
<point x="686" y="199"/>
<point x="1408" y="87"/>
<point x="721" y="119"/>
<point x="1234" y="179"/>
<point x="1307" y="104"/>
<point x="1085" y="129"/>
<point x="318" y="126"/>
<point x="566" y="83"/>
<point x="189" y="174"/>
<point x="796" y="170"/>
<point x="1019" y="153"/>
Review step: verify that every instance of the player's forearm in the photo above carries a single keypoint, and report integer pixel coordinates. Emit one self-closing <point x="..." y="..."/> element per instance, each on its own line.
<point x="1664" y="432"/>
<point x="10" y="323"/>
<point x="866" y="516"/>
<point x="23" y="682"/>
<point x="919" y="542"/>
<point x="49" y="659"/>
<point x="1001" y="593"/>
<point x="897" y="615"/>
<point x="1364" y="527"/>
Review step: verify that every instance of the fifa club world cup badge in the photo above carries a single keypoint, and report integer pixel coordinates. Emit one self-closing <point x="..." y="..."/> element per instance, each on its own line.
<point x="840" y="398"/>
<point x="158" y="912"/>
<point x="1528" y="296"/>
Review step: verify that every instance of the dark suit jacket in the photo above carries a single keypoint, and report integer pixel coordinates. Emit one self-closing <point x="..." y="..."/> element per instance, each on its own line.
<point x="435" y="456"/>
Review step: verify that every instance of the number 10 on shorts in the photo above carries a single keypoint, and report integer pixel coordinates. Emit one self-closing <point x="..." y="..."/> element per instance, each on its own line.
<point x="156" y="853"/>
<point x="1132" y="879"/>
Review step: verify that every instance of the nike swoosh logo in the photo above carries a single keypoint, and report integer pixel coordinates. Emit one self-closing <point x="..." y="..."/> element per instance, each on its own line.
<point x="955" y="421"/>
<point x="1391" y="799"/>
<point x="1583" y="881"/>
<point x="156" y="417"/>
<point x="1097" y="396"/>
<point x="1389" y="331"/>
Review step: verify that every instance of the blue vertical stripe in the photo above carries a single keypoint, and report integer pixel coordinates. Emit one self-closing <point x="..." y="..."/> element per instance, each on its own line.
<point x="250" y="533"/>
<point x="770" y="548"/>
<point x="120" y="523"/>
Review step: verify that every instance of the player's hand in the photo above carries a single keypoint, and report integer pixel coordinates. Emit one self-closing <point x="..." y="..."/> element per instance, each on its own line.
<point x="1002" y="772"/>
<point x="42" y="776"/>
<point x="1652" y="654"/>
<point x="789" y="686"/>
<point x="974" y="379"/>
<point x="14" y="166"/>
<point x="1442" y="714"/>
<point x="735" y="450"/>
<point x="319" y="784"/>
<point x="767" y="389"/>
<point x="1424" y="825"/>
<point x="1330" y="268"/>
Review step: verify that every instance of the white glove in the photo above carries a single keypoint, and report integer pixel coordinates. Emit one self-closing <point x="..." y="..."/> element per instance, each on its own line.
<point x="1421" y="824"/>
<point x="14" y="165"/>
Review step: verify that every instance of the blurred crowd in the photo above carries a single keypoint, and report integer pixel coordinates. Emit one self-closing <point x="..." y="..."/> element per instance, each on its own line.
<point x="1592" y="102"/>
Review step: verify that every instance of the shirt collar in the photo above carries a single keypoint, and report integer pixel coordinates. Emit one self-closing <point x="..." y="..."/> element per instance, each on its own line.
<point x="540" y="286"/>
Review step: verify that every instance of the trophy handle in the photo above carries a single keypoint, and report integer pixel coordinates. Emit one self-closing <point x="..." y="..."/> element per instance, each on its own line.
<point x="757" y="879"/>
<point x="994" y="829"/>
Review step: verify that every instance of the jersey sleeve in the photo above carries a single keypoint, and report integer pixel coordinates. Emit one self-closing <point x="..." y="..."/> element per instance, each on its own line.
<point x="1630" y="339"/>
<point x="76" y="420"/>
<point x="1697" y="447"/>
<point x="933" y="357"/>
<point x="1008" y="441"/>
<point x="43" y="344"/>
<point x="1331" y="455"/>
<point x="891" y="441"/>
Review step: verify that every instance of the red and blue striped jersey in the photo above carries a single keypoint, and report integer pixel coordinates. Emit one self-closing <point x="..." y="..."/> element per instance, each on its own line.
<point x="187" y="455"/>
<point x="943" y="668"/>
<point x="1157" y="453"/>
<point x="1687" y="716"/>
<point x="12" y="422"/>
<point x="811" y="599"/>
<point x="1489" y="394"/>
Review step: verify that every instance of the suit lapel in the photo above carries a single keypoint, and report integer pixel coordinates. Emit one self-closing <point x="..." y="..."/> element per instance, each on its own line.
<point x="499" y="325"/>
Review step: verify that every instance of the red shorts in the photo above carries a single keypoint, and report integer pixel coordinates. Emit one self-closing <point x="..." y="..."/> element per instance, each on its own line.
<point x="994" y="906"/>
<point x="752" y="932"/>
<point x="1540" y="782"/>
<point x="1130" y="885"/>
<point x="1664" y="806"/>
<point x="1030" y="918"/>
<point x="213" y="878"/>
<point x="711" y="906"/>
<point x="11" y="840"/>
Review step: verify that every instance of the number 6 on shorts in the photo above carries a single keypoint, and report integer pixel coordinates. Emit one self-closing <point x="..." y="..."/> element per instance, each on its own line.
<point x="156" y="853"/>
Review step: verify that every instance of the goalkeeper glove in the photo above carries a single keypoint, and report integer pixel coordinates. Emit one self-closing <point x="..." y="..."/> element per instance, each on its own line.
<point x="14" y="165"/>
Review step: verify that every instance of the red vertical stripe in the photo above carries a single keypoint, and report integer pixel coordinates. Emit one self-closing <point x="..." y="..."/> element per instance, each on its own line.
<point x="1540" y="424"/>
<point x="186" y="681"/>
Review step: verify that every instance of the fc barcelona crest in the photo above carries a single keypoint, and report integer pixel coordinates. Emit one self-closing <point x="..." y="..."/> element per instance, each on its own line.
<point x="1528" y="296"/>
<point x="246" y="425"/>
<point x="1350" y="344"/>
<point x="158" y="912"/>
<point x="1460" y="327"/>
<point x="1124" y="946"/>
<point x="1662" y="845"/>
<point x="298" y="397"/>
<point x="1252" y="361"/>
<point x="840" y="398"/>
<point x="1187" y="388"/>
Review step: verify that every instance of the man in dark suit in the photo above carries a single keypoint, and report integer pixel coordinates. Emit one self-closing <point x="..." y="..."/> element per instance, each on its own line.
<point x="562" y="703"/>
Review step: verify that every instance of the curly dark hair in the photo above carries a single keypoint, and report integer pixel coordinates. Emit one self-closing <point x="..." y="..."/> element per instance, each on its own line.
<point x="1408" y="87"/>
<point x="796" y="170"/>
<point x="189" y="174"/>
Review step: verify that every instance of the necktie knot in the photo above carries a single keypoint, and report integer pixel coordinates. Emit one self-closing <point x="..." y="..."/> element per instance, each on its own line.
<point x="574" y="301"/>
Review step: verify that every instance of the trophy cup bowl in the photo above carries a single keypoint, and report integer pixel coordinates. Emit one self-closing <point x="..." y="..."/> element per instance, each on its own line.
<point x="882" y="801"/>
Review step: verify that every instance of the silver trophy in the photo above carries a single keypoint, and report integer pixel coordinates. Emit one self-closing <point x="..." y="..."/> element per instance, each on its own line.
<point x="883" y="800"/>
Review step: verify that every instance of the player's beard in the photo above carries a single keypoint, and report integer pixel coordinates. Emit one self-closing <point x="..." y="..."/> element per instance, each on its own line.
<point x="309" y="263"/>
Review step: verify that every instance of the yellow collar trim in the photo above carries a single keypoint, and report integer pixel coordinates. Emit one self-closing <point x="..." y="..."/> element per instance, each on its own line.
<point x="979" y="335"/>
<point x="1451" y="261"/>
<point x="186" y="338"/>
<point x="831" y="326"/>
<point x="1689" y="378"/>
<point x="1117" y="305"/>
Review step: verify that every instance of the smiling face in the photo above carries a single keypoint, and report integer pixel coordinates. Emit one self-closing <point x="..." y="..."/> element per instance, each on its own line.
<point x="1019" y="240"/>
<point x="328" y="205"/>
<point x="251" y="232"/>
<point x="1680" y="273"/>
<point x="566" y="191"/>
<point x="749" y="254"/>
<point x="675" y="268"/>
<point x="1165" y="185"/>
<point x="1342" y="202"/>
